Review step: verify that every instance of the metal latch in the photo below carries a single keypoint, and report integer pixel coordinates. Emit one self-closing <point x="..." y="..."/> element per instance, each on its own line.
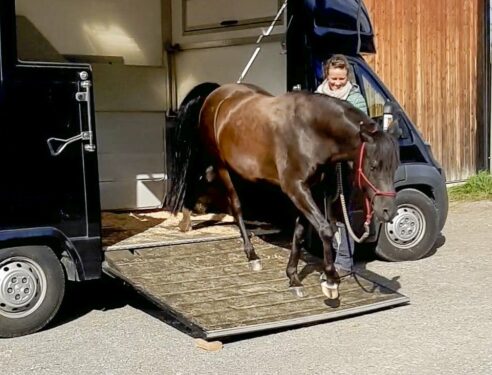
<point x="82" y="96"/>
<point x="85" y="136"/>
<point x="85" y="96"/>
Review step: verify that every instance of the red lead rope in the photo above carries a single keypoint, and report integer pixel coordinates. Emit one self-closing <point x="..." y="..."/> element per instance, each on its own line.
<point x="361" y="178"/>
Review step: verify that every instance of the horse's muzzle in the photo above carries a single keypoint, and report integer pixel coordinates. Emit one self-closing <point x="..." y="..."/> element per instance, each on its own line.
<point x="385" y="208"/>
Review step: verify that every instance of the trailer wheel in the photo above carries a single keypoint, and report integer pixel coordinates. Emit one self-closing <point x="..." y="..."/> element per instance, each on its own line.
<point x="412" y="233"/>
<point x="32" y="285"/>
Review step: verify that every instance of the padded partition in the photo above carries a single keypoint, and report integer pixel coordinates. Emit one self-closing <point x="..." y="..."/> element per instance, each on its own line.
<point x="130" y="106"/>
<point x="131" y="159"/>
<point x="120" y="87"/>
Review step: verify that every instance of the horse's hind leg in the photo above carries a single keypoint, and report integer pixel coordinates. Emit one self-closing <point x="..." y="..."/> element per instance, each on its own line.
<point x="185" y="223"/>
<point x="254" y="261"/>
<point x="297" y="245"/>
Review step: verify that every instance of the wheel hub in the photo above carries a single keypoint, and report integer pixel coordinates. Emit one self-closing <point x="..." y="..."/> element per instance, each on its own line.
<point x="22" y="284"/>
<point x="407" y="227"/>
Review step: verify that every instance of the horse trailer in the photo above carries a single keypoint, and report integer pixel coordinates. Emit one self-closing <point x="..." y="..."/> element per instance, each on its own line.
<point x="88" y="91"/>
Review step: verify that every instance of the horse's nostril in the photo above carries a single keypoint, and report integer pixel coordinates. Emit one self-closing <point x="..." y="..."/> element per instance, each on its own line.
<point x="386" y="214"/>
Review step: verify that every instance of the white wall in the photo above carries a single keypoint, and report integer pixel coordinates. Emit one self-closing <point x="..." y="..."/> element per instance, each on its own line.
<point x="225" y="64"/>
<point x="127" y="28"/>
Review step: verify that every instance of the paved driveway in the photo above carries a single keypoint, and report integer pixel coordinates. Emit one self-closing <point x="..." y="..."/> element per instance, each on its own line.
<point x="446" y="329"/>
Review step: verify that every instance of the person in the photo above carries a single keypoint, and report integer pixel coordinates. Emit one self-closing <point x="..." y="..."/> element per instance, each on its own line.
<point x="337" y="84"/>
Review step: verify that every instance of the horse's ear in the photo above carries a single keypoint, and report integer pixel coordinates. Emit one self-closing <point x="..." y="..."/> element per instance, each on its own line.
<point x="370" y="126"/>
<point x="394" y="129"/>
<point x="366" y="129"/>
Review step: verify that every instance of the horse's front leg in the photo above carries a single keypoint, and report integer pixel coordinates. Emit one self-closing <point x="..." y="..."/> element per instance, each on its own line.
<point x="301" y="196"/>
<point x="254" y="261"/>
<point x="297" y="245"/>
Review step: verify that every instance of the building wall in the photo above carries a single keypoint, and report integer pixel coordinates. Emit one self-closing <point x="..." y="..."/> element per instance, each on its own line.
<point x="428" y="55"/>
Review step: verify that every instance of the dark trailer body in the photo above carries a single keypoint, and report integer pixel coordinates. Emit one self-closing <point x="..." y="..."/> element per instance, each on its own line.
<point x="50" y="221"/>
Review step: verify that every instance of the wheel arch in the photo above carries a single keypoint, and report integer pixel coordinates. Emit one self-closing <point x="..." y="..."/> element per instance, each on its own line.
<point x="51" y="238"/>
<point x="426" y="179"/>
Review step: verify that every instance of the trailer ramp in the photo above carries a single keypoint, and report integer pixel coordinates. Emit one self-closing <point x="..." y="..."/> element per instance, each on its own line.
<point x="208" y="287"/>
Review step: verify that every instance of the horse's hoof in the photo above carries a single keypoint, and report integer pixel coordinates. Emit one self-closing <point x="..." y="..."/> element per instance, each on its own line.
<point x="184" y="227"/>
<point x="298" y="291"/>
<point x="330" y="290"/>
<point x="255" y="265"/>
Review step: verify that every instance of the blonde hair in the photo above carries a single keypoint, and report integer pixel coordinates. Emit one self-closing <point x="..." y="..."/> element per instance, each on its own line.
<point x="336" y="62"/>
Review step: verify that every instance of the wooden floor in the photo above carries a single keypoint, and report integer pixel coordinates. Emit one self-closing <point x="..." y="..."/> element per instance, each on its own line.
<point x="133" y="230"/>
<point x="209" y="287"/>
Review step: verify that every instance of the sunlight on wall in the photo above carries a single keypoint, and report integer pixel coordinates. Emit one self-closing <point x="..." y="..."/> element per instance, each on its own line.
<point x="130" y="29"/>
<point x="112" y="40"/>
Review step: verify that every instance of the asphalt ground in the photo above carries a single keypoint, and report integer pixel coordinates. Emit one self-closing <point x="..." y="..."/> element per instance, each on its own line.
<point x="106" y="328"/>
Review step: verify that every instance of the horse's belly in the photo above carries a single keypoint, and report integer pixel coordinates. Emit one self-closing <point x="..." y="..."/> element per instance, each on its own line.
<point x="252" y="170"/>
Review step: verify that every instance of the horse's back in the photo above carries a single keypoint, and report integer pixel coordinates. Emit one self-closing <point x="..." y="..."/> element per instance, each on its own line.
<point x="232" y="90"/>
<point x="227" y="98"/>
<point x="235" y="124"/>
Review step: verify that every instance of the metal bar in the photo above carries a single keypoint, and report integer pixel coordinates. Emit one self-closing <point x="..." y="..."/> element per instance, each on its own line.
<point x="225" y="43"/>
<point x="169" y="243"/>
<point x="263" y="34"/>
<point x="91" y="146"/>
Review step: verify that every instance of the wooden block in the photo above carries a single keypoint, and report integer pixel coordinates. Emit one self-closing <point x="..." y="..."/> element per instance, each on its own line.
<point x="209" y="346"/>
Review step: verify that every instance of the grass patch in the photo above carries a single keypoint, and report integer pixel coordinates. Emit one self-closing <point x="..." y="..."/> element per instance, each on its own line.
<point x="476" y="188"/>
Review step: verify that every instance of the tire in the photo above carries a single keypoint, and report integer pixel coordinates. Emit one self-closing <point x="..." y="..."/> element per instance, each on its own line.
<point x="412" y="234"/>
<point x="32" y="286"/>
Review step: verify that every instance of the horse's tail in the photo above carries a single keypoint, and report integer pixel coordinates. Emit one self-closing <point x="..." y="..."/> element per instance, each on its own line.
<point x="185" y="158"/>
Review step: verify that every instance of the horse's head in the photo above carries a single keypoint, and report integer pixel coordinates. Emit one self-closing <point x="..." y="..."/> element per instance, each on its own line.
<point x="377" y="161"/>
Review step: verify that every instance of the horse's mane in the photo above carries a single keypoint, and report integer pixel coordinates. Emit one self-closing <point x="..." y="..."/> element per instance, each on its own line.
<point x="386" y="149"/>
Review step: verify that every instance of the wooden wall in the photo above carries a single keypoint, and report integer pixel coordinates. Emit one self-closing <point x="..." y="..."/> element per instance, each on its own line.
<point x="427" y="56"/>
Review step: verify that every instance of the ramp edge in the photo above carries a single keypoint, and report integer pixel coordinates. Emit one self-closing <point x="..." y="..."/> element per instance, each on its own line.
<point x="145" y="245"/>
<point x="330" y="315"/>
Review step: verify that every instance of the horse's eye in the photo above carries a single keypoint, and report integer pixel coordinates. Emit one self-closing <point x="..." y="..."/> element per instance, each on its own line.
<point x="374" y="165"/>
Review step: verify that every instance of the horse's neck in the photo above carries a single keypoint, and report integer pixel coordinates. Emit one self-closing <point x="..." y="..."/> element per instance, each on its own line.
<point x="344" y="123"/>
<point x="347" y="150"/>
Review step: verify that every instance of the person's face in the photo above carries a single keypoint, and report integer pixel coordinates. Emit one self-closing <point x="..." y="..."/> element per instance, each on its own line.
<point x="337" y="78"/>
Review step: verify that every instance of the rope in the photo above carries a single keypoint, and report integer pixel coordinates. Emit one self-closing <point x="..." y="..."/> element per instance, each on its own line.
<point x="345" y="213"/>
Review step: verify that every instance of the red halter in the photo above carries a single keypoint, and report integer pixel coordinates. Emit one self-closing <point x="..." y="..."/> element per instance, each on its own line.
<point x="361" y="178"/>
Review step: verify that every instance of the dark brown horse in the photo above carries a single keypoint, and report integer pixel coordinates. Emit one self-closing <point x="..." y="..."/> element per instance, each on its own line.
<point x="290" y="140"/>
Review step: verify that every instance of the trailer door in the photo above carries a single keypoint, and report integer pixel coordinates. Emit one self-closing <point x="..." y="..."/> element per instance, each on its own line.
<point x="49" y="157"/>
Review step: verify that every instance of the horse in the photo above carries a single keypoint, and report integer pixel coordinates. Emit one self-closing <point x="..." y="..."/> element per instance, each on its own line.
<point x="292" y="141"/>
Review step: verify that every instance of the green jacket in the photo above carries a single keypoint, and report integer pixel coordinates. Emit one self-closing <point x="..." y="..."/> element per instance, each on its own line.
<point x="356" y="99"/>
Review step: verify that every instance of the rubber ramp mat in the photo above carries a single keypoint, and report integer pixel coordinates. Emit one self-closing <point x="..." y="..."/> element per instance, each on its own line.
<point x="209" y="288"/>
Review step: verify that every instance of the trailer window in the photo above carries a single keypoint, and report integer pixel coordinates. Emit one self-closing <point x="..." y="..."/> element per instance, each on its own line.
<point x="205" y="16"/>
